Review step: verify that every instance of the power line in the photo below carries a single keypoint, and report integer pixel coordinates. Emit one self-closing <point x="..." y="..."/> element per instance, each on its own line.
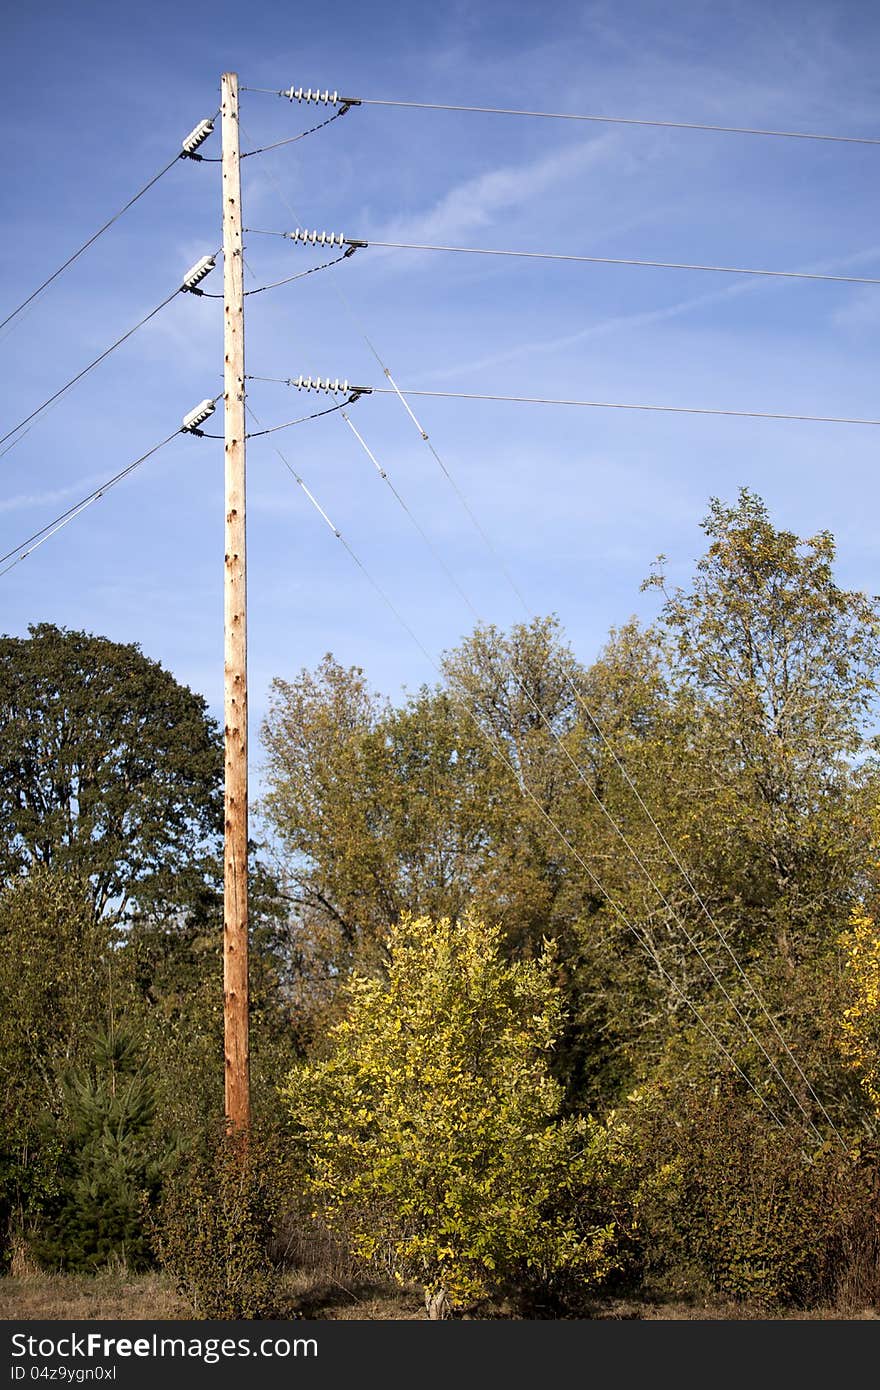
<point x="73" y="380"/>
<point x="630" y="120"/>
<point x="289" y="279"/>
<point x="273" y="429"/>
<point x="620" y="405"/>
<point x="540" y="400"/>
<point x="182" y="154"/>
<point x="316" y="415"/>
<point x="599" y="405"/>
<point x="615" y="825"/>
<point x="100" y="358"/>
<point x="292" y="139"/>
<point x="588" y="260"/>
<point x="623" y="260"/>
<point x="33" y="542"/>
<point x="527" y="793"/>
<point x="604" y="120"/>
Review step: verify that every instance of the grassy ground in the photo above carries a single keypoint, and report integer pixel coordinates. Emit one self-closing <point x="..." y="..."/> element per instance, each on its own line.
<point x="77" y="1297"/>
<point x="118" y="1295"/>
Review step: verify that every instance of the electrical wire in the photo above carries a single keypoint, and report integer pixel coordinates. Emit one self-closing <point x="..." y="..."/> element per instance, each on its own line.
<point x="527" y="793"/>
<point x="100" y="358"/>
<point x="539" y="400"/>
<point x="604" y="260"/>
<point x="288" y="278"/>
<point x="579" y="772"/>
<point x="603" y="120"/>
<point x="630" y="261"/>
<point x="94" y="237"/>
<point x="403" y="392"/>
<point x="273" y="429"/>
<point x="316" y="415"/>
<point x="621" y="405"/>
<point x="27" y="547"/>
<point x="290" y="140"/>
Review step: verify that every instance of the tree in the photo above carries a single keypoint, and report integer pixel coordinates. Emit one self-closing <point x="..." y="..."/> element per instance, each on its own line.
<point x="59" y="972"/>
<point x="382" y="810"/>
<point x="109" y="768"/>
<point x="111" y="1165"/>
<point x="379" y="811"/>
<point x="519" y="694"/>
<point x="432" y="1129"/>
<point x="782" y="664"/>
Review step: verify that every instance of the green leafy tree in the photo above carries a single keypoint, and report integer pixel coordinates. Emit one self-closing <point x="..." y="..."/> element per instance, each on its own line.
<point x="782" y="664"/>
<point x="378" y="811"/>
<point x="109" y="768"/>
<point x="381" y="811"/>
<point x="742" y="719"/>
<point x="432" y="1130"/>
<point x="340" y="770"/>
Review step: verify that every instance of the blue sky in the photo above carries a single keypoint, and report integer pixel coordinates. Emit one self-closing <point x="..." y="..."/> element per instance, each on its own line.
<point x="577" y="502"/>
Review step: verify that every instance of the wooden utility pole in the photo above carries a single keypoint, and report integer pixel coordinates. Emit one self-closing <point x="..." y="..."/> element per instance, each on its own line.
<point x="235" y="843"/>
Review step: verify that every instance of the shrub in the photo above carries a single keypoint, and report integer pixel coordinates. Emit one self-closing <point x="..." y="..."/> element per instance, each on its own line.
<point x="728" y="1202"/>
<point x="432" y="1131"/>
<point x="216" y="1223"/>
<point x="859" y="1028"/>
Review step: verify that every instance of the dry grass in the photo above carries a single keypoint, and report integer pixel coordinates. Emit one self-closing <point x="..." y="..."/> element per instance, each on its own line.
<point x="115" y="1294"/>
<point x="723" y="1312"/>
<point x="111" y="1294"/>
<point x="118" y="1295"/>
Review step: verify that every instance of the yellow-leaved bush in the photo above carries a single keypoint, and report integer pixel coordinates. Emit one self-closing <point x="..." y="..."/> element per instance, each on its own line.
<point x="860" y="1024"/>
<point x="432" y="1130"/>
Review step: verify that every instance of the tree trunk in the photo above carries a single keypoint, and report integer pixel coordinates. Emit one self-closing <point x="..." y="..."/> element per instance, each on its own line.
<point x="437" y="1303"/>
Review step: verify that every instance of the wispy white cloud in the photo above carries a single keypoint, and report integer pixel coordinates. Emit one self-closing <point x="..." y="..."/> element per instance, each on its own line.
<point x="26" y="500"/>
<point x="476" y="202"/>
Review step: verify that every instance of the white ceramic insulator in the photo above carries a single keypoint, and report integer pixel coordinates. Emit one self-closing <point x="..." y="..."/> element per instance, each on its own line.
<point x="197" y="136"/>
<point x="319" y="238"/>
<point x="198" y="272"/>
<point x="307" y="383"/>
<point x="325" y="98"/>
<point x="197" y="416"/>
